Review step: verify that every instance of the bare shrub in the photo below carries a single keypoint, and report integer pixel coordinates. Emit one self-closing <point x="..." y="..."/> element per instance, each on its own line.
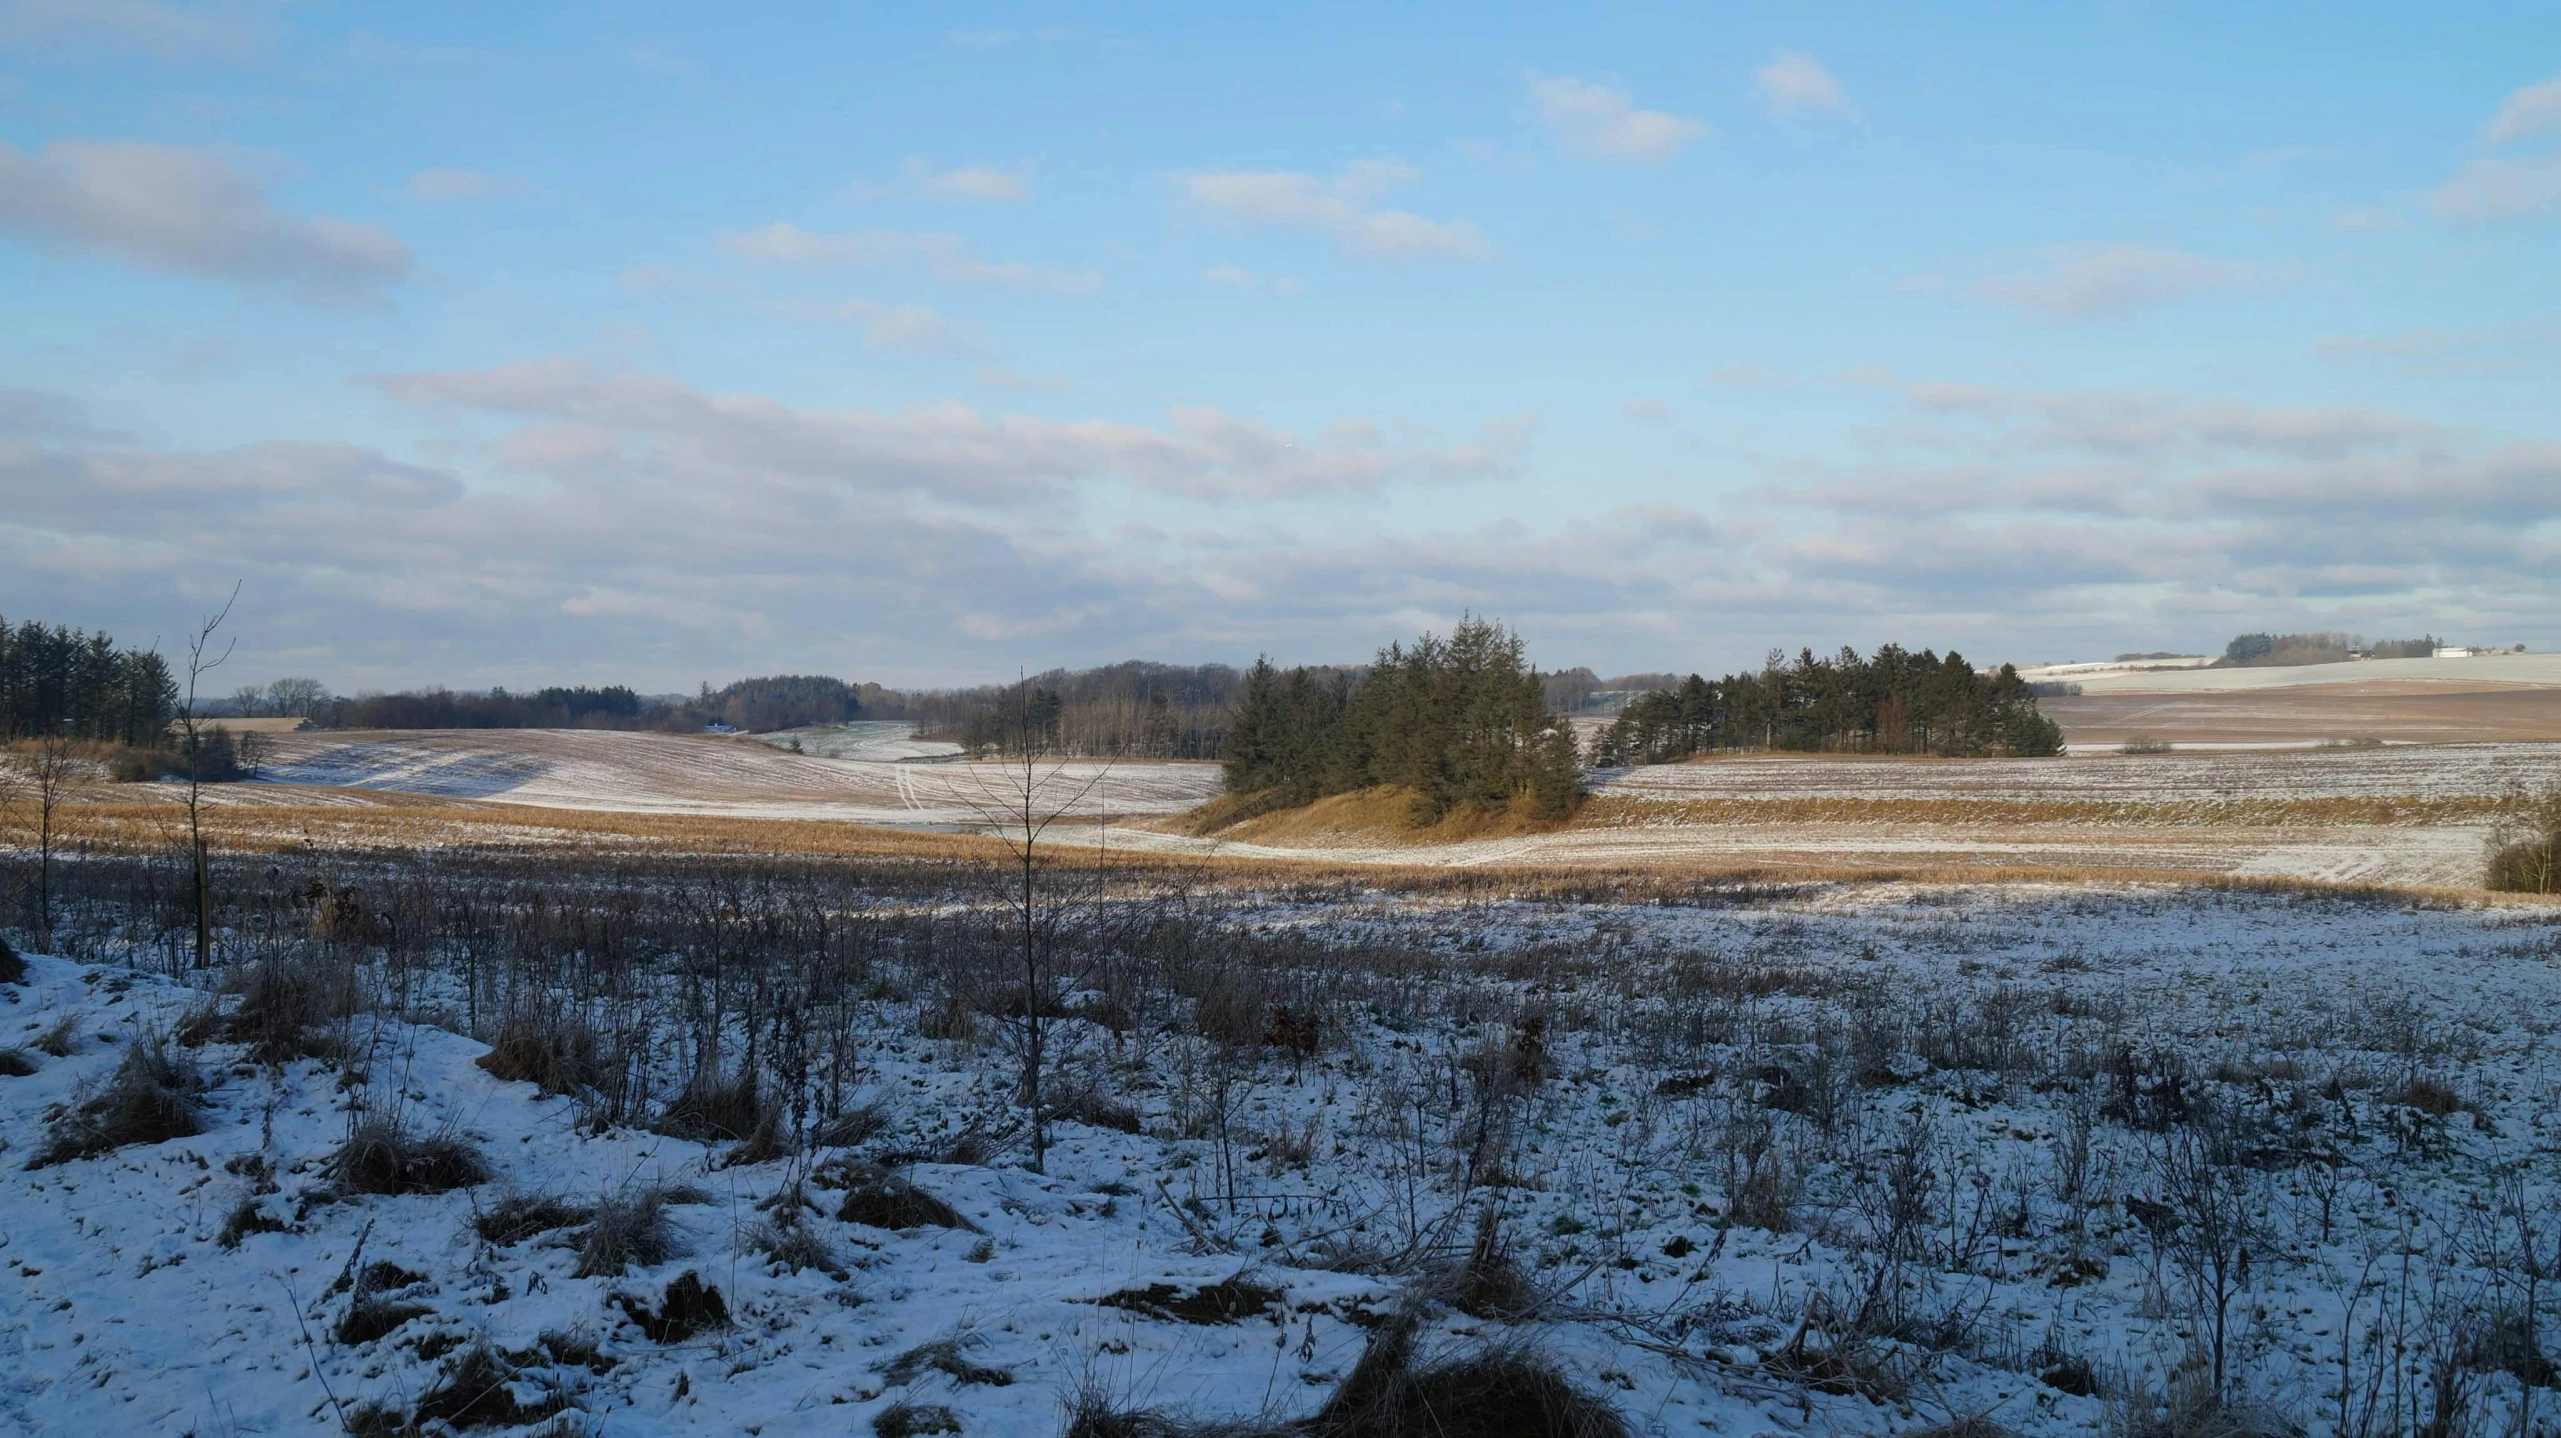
<point x="859" y="1124"/>
<point x="286" y="1010"/>
<point x="1505" y="1391"/>
<point x="1489" y="1284"/>
<point x="793" y="1244"/>
<point x="944" y="1356"/>
<point x="686" y="1308"/>
<point x="631" y="1230"/>
<point x="1227" y="1301"/>
<point x="2187" y="1407"/>
<point x="13" y="970"/>
<point x="478" y="1390"/>
<point x="383" y="1156"/>
<point x="154" y="1096"/>
<point x="2429" y="1096"/>
<point x="61" y="1039"/>
<point x="557" y="1054"/>
<point x="912" y="1420"/>
<point x="370" y="1316"/>
<point x="519" y="1216"/>
<point x="2209" y="1217"/>
<point x="16" y="1063"/>
<point x="1094" y="1109"/>
<point x="246" y="1218"/>
<point x="2525" y="855"/>
<point x="716" y="1107"/>
<point x="884" y="1200"/>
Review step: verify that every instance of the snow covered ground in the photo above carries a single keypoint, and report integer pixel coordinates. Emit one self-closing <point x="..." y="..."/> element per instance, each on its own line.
<point x="2478" y="669"/>
<point x="688" y="774"/>
<point x="1825" y="1159"/>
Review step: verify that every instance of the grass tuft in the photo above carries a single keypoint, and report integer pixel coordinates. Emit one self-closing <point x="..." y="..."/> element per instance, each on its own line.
<point x="384" y="1157"/>
<point x="884" y="1200"/>
<point x="632" y="1230"/>
<point x="556" y="1054"/>
<point x="478" y="1390"/>
<point x="516" y="1217"/>
<point x="153" y="1097"/>
<point x="910" y="1420"/>
<point x="688" y="1307"/>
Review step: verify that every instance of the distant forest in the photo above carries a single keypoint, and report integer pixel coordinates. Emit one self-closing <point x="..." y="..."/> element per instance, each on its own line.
<point x="1461" y="722"/>
<point x="1157" y="711"/>
<point x="65" y="681"/>
<point x="1890" y="702"/>
<point x="1133" y="709"/>
<point x="2261" y="651"/>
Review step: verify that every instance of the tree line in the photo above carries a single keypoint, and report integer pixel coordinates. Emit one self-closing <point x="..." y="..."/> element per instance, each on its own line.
<point x="1133" y="709"/>
<point x="69" y="683"/>
<point x="1460" y="723"/>
<point x="1891" y="702"/>
<point x="2262" y="651"/>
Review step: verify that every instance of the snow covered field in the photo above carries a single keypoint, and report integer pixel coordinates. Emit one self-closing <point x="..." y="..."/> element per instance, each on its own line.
<point x="1832" y="1159"/>
<point x="2159" y="676"/>
<point x="737" y="777"/>
<point x="2396" y="814"/>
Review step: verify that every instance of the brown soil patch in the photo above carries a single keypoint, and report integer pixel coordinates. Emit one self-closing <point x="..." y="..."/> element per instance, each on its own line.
<point x="2411" y="710"/>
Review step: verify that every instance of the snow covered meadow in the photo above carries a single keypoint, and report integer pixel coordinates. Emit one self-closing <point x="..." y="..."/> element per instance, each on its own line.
<point x="478" y="1143"/>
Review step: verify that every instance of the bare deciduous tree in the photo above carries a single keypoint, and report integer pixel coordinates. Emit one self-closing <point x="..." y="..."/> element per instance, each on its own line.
<point x="2213" y="1222"/>
<point x="55" y="776"/>
<point x="1034" y="792"/>
<point x="193" y="734"/>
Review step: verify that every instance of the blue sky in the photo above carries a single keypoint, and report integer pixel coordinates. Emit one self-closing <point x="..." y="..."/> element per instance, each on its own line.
<point x="514" y="344"/>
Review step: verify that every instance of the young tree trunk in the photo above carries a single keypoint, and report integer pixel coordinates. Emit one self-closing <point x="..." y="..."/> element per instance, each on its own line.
<point x="191" y="727"/>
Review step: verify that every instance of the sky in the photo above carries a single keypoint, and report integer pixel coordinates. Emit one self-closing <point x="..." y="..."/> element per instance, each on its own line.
<point x="506" y="344"/>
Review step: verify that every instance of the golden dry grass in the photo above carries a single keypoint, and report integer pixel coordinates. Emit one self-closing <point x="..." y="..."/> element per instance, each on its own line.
<point x="1372" y="816"/>
<point x="1610" y="811"/>
<point x="392" y="823"/>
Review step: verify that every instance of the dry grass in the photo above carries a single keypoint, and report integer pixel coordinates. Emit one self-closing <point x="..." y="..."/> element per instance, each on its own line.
<point x="632" y="1229"/>
<point x="389" y="822"/>
<point x="2387" y="810"/>
<point x="154" y="1096"/>
<point x="1369" y="816"/>
<point x="384" y="1157"/>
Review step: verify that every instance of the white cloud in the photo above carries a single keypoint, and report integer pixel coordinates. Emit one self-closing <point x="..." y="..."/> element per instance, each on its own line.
<point x="187" y="211"/>
<point x="1237" y="277"/>
<point x="670" y="523"/>
<point x="2528" y="110"/>
<point x="453" y="186"/>
<point x="909" y="328"/>
<point x="979" y="182"/>
<point x="2109" y="281"/>
<point x="947" y="451"/>
<point x="1794" y="83"/>
<point x="2493" y="188"/>
<point x="1603" y="119"/>
<point x="1338" y="208"/>
<point x="1016" y="381"/>
<point x="1645" y="410"/>
<point x="167" y="32"/>
<point x="945" y="256"/>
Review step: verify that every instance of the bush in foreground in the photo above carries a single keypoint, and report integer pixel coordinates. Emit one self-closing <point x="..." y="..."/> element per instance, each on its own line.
<point x="1501" y="1391"/>
<point x="382" y="1156"/>
<point x="154" y="1096"/>
<point x="632" y="1230"/>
